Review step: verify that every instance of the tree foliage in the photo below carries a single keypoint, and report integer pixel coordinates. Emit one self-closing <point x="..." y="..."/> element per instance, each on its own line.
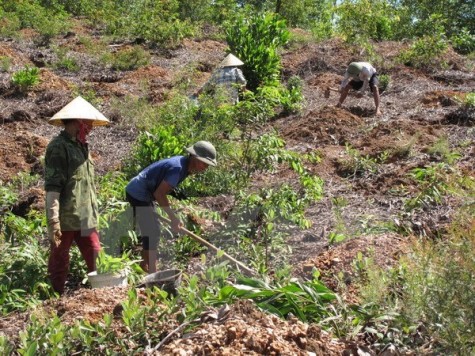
<point x="255" y="39"/>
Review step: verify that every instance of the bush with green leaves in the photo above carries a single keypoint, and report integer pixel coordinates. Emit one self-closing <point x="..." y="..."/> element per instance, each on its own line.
<point x="23" y="271"/>
<point x="292" y="97"/>
<point x="426" y="51"/>
<point x="65" y="60"/>
<point x="48" y="20"/>
<point x="5" y="63"/>
<point x="362" y="20"/>
<point x="128" y="58"/>
<point x="10" y="24"/>
<point x="433" y="186"/>
<point x="384" y="81"/>
<point x="463" y="42"/>
<point x="25" y="79"/>
<point x="256" y="39"/>
<point x="158" y="143"/>
<point x="155" y="21"/>
<point x="468" y="102"/>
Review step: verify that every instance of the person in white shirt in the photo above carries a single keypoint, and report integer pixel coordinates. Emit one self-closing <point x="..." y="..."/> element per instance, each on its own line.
<point x="359" y="76"/>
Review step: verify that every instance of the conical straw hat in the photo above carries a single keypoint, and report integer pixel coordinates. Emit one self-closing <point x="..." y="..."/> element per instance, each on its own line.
<point x="231" y="61"/>
<point x="79" y="109"/>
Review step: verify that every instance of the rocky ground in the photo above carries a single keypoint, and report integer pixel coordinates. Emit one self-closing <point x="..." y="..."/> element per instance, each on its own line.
<point x="419" y="108"/>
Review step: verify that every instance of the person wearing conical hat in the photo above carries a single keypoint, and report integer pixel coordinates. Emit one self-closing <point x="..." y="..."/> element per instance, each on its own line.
<point x="228" y="78"/>
<point x="153" y="184"/>
<point x="71" y="205"/>
<point x="359" y="76"/>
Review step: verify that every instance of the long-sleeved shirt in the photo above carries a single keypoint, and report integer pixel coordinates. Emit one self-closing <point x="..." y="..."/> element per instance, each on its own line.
<point x="227" y="78"/>
<point x="365" y="74"/>
<point x="69" y="170"/>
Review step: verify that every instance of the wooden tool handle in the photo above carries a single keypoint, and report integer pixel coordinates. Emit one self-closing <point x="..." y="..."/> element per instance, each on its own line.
<point x="202" y="241"/>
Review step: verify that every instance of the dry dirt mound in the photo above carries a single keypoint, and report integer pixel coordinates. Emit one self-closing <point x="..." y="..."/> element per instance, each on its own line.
<point x="20" y="152"/>
<point x="330" y="125"/>
<point x="251" y="332"/>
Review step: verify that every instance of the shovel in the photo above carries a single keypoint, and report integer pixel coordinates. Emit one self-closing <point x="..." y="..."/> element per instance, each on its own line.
<point x="202" y="241"/>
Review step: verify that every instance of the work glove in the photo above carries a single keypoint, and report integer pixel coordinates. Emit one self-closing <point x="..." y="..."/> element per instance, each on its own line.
<point x="52" y="216"/>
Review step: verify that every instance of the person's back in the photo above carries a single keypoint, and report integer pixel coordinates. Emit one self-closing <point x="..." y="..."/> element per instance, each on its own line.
<point x="228" y="79"/>
<point x="144" y="184"/>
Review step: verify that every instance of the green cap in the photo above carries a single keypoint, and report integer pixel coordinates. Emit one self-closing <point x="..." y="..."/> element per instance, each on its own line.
<point x="204" y="151"/>
<point x="354" y="69"/>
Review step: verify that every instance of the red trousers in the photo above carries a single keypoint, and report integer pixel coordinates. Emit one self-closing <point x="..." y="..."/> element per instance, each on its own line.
<point x="58" y="264"/>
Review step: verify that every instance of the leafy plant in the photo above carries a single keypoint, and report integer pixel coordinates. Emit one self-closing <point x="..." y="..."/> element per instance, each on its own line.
<point x="255" y="40"/>
<point x="354" y="26"/>
<point x="384" y="81"/>
<point x="468" y="101"/>
<point x="154" y="21"/>
<point x="292" y="98"/>
<point x="441" y="148"/>
<point x="5" y="63"/>
<point x="26" y="78"/>
<point x="65" y="61"/>
<point x="360" y="165"/>
<point x="426" y="51"/>
<point x="128" y="58"/>
<point x="158" y="143"/>
<point x="22" y="274"/>
<point x="463" y="42"/>
<point x="306" y="300"/>
<point x="109" y="264"/>
<point x="433" y="186"/>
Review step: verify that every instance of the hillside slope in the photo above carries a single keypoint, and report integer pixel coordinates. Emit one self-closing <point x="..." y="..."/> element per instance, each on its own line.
<point x="365" y="160"/>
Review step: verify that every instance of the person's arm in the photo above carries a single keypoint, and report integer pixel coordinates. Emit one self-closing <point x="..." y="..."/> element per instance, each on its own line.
<point x="160" y="196"/>
<point x="345" y="81"/>
<point x="55" y="179"/>
<point x="240" y="77"/>
<point x="52" y="217"/>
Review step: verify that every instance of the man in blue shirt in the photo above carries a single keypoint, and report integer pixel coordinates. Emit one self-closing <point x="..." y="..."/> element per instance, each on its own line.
<point x="153" y="184"/>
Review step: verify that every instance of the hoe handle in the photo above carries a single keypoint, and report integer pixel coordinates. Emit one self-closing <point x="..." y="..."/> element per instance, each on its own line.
<point x="215" y="249"/>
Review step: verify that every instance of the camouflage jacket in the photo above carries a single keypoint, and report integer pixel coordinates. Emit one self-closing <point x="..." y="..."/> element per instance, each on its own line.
<point x="69" y="170"/>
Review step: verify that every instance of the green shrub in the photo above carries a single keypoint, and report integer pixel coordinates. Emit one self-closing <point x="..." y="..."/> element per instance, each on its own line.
<point x="255" y="40"/>
<point x="433" y="185"/>
<point x="292" y="97"/>
<point x="425" y="52"/>
<point x="469" y="101"/>
<point x="9" y="24"/>
<point x="128" y="59"/>
<point x="26" y="78"/>
<point x="65" y="61"/>
<point x="384" y="81"/>
<point x="440" y="290"/>
<point x="48" y="21"/>
<point x="154" y="21"/>
<point x="463" y="42"/>
<point x="158" y="143"/>
<point x="23" y="270"/>
<point x="109" y="264"/>
<point x="362" y="20"/>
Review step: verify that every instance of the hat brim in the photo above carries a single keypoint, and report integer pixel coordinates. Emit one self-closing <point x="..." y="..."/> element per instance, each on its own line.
<point x="231" y="61"/>
<point x="209" y="162"/>
<point x="79" y="109"/>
